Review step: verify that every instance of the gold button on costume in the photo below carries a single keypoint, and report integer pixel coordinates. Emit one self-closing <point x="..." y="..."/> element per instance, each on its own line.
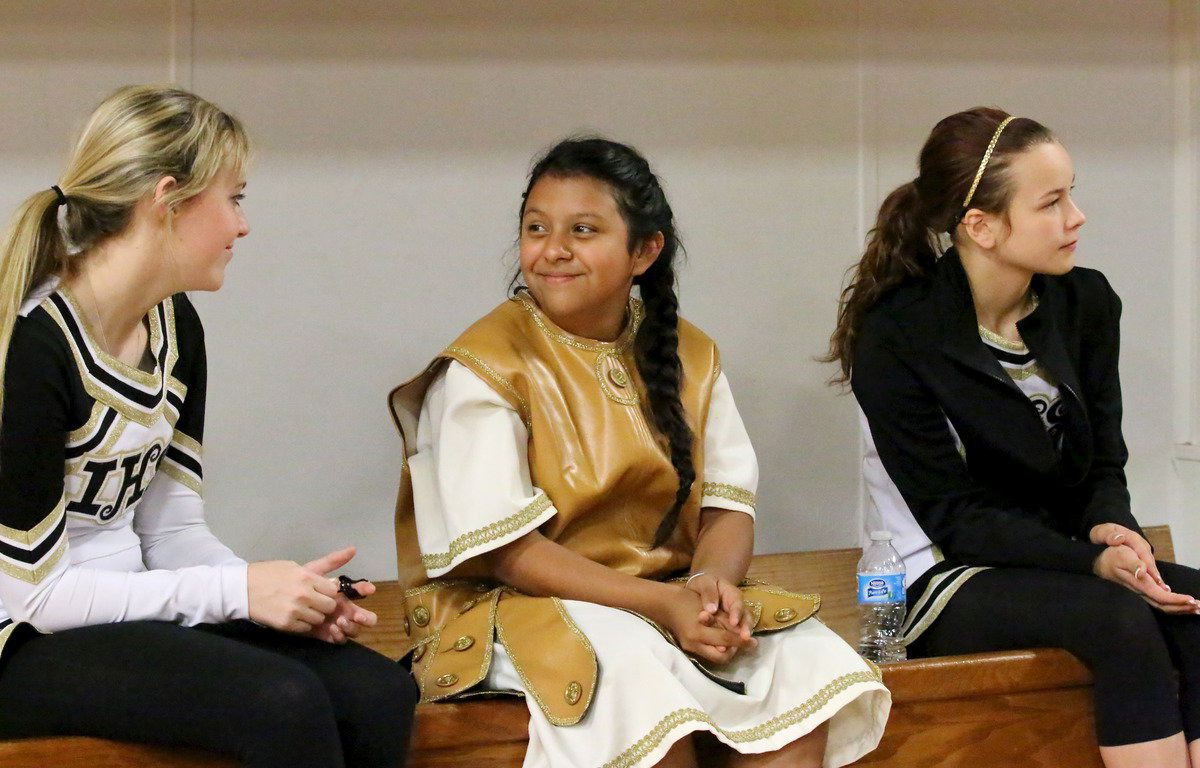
<point x="573" y="693"/>
<point x="463" y="643"/>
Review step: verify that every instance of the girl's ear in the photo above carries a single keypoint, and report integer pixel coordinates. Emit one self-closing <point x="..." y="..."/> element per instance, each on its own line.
<point x="647" y="253"/>
<point x="981" y="227"/>
<point x="163" y="188"/>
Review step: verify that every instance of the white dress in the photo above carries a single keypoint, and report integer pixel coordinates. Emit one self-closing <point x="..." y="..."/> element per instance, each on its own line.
<point x="470" y="470"/>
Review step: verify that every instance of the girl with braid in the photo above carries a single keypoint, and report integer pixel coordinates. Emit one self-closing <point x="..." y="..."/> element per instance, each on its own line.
<point x="121" y="614"/>
<point x="988" y="380"/>
<point x="579" y="494"/>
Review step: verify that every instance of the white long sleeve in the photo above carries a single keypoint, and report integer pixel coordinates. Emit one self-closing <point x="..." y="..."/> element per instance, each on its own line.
<point x="114" y="586"/>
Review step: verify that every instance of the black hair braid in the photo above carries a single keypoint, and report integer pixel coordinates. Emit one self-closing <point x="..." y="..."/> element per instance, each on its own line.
<point x="646" y="212"/>
<point x="656" y="348"/>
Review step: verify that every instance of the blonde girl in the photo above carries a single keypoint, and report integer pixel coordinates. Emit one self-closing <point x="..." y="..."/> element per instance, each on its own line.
<point x="121" y="614"/>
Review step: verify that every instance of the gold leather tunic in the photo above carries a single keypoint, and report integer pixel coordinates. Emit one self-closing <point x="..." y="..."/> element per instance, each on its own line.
<point x="595" y="456"/>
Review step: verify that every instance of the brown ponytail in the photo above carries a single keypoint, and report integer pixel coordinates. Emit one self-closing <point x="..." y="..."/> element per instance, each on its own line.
<point x="907" y="238"/>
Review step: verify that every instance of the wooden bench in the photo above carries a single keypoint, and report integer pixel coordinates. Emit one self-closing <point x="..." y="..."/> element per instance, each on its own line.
<point x="1027" y="708"/>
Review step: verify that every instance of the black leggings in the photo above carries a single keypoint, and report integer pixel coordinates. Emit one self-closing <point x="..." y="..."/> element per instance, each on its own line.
<point x="1146" y="663"/>
<point x="268" y="699"/>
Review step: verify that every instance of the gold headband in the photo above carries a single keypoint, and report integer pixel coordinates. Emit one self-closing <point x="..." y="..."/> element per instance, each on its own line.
<point x="984" y="162"/>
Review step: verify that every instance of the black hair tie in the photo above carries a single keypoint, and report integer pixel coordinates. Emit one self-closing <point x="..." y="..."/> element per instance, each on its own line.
<point x="62" y="199"/>
<point x="346" y="587"/>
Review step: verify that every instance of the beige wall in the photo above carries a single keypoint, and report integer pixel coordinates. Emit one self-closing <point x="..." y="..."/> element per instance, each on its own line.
<point x="394" y="138"/>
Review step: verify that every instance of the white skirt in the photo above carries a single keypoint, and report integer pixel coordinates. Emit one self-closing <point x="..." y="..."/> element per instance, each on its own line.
<point x="649" y="695"/>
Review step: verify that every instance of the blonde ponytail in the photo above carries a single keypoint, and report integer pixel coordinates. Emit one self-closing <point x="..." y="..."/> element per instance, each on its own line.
<point x="137" y="136"/>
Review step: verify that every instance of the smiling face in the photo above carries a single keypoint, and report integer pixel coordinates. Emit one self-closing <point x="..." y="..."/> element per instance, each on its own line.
<point x="1043" y="222"/>
<point x="575" y="256"/>
<point x="206" y="227"/>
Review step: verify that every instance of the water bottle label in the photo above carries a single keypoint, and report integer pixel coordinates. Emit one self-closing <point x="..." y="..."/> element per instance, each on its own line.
<point x="881" y="589"/>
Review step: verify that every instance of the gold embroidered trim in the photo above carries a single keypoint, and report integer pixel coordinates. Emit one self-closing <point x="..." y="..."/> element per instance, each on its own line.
<point x="27" y="538"/>
<point x="491" y="373"/>
<point x="439" y="583"/>
<point x="489" y="649"/>
<point x="530" y="689"/>
<point x="648" y="743"/>
<point x="731" y="492"/>
<point x="771" y="589"/>
<point x="489" y="533"/>
<point x="636" y="314"/>
<point x="182" y="476"/>
<point x="583" y="638"/>
<point x="35" y="575"/>
<point x="633" y="398"/>
<point x="426" y="669"/>
<point x="911" y="633"/>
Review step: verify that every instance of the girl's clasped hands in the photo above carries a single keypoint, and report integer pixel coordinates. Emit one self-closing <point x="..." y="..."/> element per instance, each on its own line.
<point x="710" y="620"/>
<point x="1129" y="561"/>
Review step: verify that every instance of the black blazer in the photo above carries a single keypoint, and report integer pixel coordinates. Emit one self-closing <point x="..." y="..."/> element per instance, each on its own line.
<point x="1013" y="498"/>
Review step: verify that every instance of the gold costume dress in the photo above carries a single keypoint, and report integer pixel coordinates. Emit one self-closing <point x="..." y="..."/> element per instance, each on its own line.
<point x="520" y="426"/>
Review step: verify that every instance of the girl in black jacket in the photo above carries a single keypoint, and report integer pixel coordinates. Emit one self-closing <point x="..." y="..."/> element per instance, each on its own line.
<point x="987" y="378"/>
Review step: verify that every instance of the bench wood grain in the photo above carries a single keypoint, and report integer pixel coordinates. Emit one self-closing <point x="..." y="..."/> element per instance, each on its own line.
<point x="1029" y="708"/>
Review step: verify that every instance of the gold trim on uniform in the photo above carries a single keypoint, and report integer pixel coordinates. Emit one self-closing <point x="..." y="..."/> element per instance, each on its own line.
<point x="1021" y="374"/>
<point x="80" y="435"/>
<point x="608" y="353"/>
<point x="910" y="633"/>
<point x="532" y="690"/>
<point x="647" y="744"/>
<point x="432" y="650"/>
<point x="177" y="471"/>
<point x="730" y="492"/>
<point x="26" y="538"/>
<point x="5" y="634"/>
<point x="620" y="345"/>
<point x="490" y="372"/>
<point x="488" y="533"/>
<point x="187" y="443"/>
<point x="1000" y="341"/>
<point x="181" y="476"/>
<point x="35" y="575"/>
<point x="131" y="372"/>
<point x="98" y="391"/>
<point x="610" y="368"/>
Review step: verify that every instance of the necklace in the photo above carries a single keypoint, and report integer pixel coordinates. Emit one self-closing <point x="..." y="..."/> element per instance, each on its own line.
<point x="141" y="331"/>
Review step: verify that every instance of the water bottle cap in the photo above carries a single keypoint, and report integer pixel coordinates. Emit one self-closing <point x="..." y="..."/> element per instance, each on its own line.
<point x="881" y="535"/>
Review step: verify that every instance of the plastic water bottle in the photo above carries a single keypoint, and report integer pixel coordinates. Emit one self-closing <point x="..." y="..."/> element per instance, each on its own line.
<point x="881" y="602"/>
